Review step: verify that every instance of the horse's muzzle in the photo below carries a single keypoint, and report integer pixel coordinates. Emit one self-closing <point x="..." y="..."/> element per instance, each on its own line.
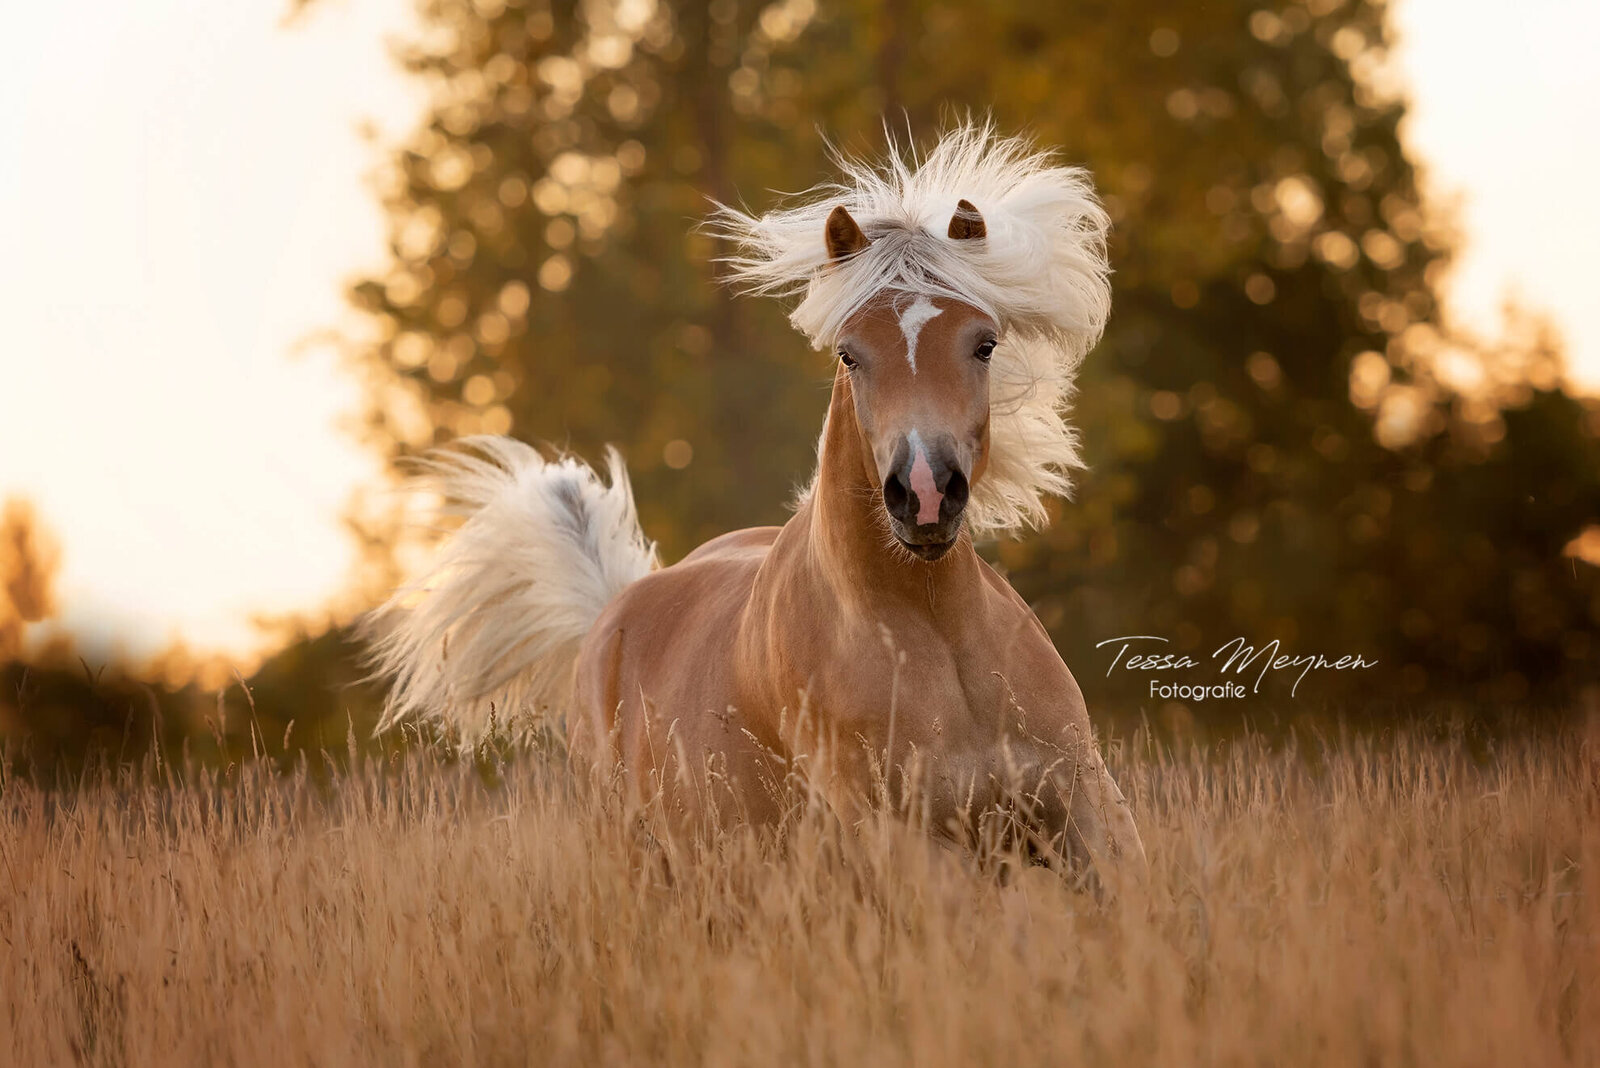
<point x="925" y="495"/>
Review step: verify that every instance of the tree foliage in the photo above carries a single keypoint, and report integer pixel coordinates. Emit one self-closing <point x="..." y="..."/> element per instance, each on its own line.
<point x="1286" y="439"/>
<point x="28" y="562"/>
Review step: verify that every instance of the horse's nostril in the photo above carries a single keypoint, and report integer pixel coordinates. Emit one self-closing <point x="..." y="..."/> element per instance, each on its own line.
<point x="896" y="496"/>
<point x="955" y="493"/>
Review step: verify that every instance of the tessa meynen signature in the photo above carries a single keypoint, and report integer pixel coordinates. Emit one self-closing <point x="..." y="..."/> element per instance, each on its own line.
<point x="1232" y="656"/>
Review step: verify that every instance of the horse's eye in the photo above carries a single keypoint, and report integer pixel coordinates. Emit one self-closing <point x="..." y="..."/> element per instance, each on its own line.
<point x="846" y="359"/>
<point x="985" y="350"/>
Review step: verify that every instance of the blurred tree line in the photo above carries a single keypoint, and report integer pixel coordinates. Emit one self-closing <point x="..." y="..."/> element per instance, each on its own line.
<point x="60" y="713"/>
<point x="1285" y="439"/>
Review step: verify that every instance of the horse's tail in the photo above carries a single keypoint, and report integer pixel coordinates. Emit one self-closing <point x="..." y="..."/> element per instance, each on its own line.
<point x="493" y="629"/>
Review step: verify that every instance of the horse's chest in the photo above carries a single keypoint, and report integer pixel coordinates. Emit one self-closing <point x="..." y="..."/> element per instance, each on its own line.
<point x="964" y="738"/>
<point x="928" y="696"/>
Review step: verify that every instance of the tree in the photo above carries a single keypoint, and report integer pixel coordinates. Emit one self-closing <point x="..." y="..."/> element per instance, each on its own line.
<point x="29" y="559"/>
<point x="1286" y="440"/>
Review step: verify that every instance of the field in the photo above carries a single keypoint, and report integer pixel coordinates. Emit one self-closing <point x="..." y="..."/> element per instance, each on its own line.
<point x="1389" y="900"/>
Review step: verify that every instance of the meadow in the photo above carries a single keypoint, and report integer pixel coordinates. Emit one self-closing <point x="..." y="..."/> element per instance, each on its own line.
<point x="1388" y="898"/>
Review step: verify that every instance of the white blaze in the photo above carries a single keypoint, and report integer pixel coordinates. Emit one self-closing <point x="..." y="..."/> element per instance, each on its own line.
<point x="912" y="320"/>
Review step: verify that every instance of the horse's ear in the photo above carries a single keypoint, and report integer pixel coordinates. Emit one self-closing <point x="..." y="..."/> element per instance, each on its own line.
<point x="966" y="224"/>
<point x="845" y="238"/>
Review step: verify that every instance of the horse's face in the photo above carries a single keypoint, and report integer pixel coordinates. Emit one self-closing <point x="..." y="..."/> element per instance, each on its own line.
<point x="918" y="370"/>
<point x="919" y="376"/>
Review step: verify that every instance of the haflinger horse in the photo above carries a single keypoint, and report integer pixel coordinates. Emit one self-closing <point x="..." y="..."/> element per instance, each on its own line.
<point x="864" y="641"/>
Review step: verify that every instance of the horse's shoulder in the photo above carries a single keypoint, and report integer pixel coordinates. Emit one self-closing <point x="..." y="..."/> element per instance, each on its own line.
<point x="1032" y="649"/>
<point x="1005" y="597"/>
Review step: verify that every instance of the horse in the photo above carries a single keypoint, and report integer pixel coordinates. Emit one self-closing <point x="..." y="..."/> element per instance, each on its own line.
<point x="864" y="643"/>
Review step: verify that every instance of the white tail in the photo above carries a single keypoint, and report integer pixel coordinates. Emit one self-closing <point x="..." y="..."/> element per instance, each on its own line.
<point x="511" y="593"/>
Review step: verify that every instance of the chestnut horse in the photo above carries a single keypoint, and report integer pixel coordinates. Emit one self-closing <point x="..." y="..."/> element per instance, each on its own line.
<point x="864" y="641"/>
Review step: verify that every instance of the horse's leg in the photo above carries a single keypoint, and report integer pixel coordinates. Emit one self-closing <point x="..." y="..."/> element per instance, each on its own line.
<point x="1075" y="818"/>
<point x="1098" y="821"/>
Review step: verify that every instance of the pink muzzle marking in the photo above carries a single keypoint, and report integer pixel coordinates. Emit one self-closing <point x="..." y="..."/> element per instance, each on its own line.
<point x="927" y="491"/>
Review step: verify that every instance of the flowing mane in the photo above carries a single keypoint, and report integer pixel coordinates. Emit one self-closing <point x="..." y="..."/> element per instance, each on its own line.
<point x="1041" y="272"/>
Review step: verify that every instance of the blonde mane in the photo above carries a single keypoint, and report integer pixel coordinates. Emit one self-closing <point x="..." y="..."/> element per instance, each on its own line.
<point x="1041" y="273"/>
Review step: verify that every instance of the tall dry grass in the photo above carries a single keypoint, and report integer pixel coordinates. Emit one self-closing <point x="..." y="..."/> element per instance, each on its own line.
<point x="1365" y="902"/>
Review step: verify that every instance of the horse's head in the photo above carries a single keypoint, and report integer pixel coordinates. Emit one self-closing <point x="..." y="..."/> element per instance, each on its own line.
<point x="918" y="369"/>
<point x="895" y="269"/>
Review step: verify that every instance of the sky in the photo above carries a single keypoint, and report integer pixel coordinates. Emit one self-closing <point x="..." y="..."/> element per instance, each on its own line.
<point x="184" y="194"/>
<point x="1505" y="109"/>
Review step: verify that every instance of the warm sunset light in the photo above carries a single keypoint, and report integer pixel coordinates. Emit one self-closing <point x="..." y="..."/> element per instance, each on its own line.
<point x="183" y="197"/>
<point x="186" y="191"/>
<point x="830" y="532"/>
<point x="1500" y="118"/>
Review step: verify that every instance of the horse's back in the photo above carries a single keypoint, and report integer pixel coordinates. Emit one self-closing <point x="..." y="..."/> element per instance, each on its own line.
<point x="655" y="673"/>
<point x="737" y="545"/>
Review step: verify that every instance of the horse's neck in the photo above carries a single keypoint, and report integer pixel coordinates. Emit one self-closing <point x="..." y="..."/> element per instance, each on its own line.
<point x="847" y="532"/>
